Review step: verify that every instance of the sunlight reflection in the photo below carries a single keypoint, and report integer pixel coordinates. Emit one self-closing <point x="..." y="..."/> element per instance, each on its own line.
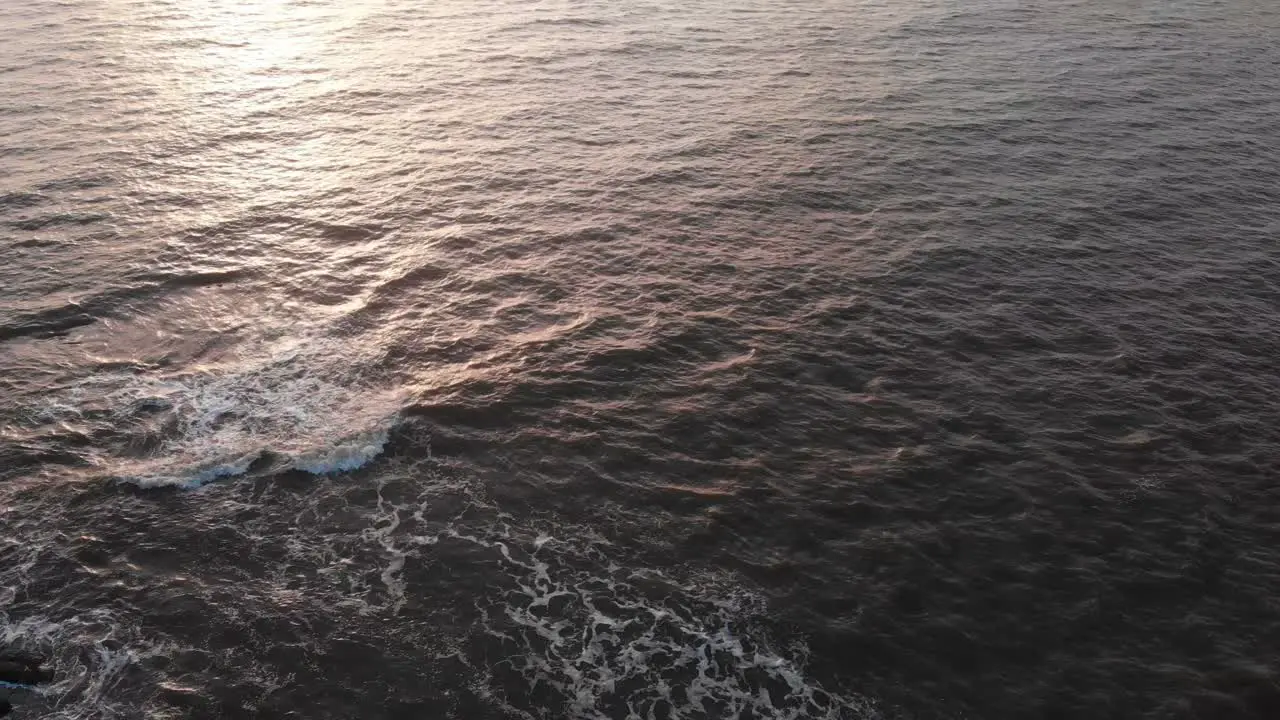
<point x="249" y="76"/>
<point x="256" y="37"/>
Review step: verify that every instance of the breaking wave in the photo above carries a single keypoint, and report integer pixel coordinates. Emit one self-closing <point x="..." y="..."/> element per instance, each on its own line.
<point x="292" y="407"/>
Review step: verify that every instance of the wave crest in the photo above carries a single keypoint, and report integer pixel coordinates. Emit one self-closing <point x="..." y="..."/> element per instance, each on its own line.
<point x="302" y="406"/>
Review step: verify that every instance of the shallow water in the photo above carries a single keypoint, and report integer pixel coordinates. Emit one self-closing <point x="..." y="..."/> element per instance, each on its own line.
<point x="574" y="359"/>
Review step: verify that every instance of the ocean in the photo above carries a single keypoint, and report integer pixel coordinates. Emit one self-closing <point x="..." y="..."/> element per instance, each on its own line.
<point x="589" y="359"/>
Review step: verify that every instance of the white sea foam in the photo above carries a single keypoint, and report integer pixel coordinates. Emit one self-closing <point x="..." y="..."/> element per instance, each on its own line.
<point x="603" y="638"/>
<point x="298" y="403"/>
<point x="606" y="638"/>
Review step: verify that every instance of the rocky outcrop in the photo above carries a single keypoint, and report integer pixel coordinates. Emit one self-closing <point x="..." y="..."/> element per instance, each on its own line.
<point x="21" y="669"/>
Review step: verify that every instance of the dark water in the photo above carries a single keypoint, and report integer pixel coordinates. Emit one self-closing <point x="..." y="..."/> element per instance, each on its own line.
<point x="585" y="359"/>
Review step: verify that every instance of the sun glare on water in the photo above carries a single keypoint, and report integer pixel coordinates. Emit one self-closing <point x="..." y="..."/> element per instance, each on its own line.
<point x="243" y="80"/>
<point x="256" y="37"/>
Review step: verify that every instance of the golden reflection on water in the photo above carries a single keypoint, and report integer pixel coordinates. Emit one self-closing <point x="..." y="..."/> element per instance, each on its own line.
<point x="263" y="36"/>
<point x="246" y="78"/>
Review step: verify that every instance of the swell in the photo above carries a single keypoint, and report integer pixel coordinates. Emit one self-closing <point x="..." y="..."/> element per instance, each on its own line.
<point x="113" y="302"/>
<point x="340" y="454"/>
<point x="296" y="402"/>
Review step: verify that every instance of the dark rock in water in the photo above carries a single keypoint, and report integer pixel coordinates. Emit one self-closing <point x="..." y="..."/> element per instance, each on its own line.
<point x="21" y="668"/>
<point x="23" y="673"/>
<point x="23" y="657"/>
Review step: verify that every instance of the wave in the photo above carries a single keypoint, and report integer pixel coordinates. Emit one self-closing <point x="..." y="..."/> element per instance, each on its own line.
<point x="49" y="320"/>
<point x="297" y="406"/>
<point x="343" y="455"/>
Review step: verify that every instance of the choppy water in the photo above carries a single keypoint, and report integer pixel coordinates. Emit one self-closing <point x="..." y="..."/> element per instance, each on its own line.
<point x="586" y="359"/>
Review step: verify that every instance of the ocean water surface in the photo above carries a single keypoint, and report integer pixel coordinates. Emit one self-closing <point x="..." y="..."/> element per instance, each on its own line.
<point x="858" y="359"/>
